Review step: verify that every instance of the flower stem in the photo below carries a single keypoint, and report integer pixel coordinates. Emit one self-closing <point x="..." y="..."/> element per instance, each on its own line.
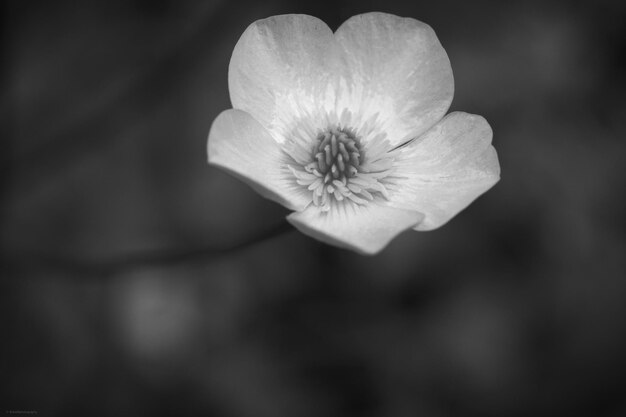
<point x="38" y="260"/>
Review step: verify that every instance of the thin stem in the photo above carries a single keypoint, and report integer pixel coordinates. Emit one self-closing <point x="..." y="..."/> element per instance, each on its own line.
<point x="139" y="259"/>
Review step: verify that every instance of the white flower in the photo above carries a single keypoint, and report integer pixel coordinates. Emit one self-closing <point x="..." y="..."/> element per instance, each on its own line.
<point x="348" y="129"/>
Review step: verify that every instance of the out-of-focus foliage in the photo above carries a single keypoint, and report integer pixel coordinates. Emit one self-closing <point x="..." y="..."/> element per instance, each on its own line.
<point x="517" y="307"/>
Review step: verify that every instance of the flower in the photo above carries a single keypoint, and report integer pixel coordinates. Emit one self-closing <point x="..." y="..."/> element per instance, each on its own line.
<point x="348" y="129"/>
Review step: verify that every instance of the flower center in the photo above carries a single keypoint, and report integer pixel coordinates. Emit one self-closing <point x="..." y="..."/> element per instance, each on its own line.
<point x="341" y="172"/>
<point x="336" y="155"/>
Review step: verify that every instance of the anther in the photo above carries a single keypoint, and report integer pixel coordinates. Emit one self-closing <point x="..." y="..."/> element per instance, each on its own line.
<point x="340" y="163"/>
<point x="333" y="144"/>
<point x="325" y="140"/>
<point x="315" y="184"/>
<point x="366" y="194"/>
<point x="321" y="161"/>
<point x="354" y="158"/>
<point x="343" y="151"/>
<point x="310" y="167"/>
<point x="329" y="157"/>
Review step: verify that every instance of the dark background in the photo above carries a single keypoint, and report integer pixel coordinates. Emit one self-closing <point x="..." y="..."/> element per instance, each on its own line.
<point x="136" y="280"/>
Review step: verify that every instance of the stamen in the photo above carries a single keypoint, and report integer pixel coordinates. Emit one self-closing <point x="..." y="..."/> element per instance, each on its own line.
<point x="354" y="159"/>
<point x="336" y="171"/>
<point x="329" y="157"/>
<point x="316" y="199"/>
<point x="344" y="152"/>
<point x="325" y="141"/>
<point x="321" y="162"/>
<point x="367" y="194"/>
<point x="315" y="184"/>
<point x="356" y="199"/>
<point x="340" y="164"/>
<point x="351" y="145"/>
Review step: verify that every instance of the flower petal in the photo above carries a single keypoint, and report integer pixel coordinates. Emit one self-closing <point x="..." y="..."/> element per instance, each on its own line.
<point x="279" y="68"/>
<point x="239" y="144"/>
<point x="444" y="170"/>
<point x="395" y="67"/>
<point x="366" y="229"/>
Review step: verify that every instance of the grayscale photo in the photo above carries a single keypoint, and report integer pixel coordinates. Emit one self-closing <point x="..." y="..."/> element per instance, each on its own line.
<point x="313" y="209"/>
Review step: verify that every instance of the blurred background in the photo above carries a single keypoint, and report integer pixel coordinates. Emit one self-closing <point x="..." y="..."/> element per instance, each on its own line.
<point x="137" y="280"/>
